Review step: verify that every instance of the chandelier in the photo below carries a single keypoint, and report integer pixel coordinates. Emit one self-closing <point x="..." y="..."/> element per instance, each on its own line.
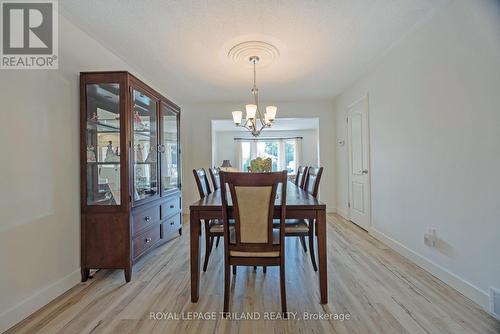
<point x="253" y="113"/>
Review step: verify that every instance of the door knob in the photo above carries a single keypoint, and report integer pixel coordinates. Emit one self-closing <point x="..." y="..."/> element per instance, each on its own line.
<point x="365" y="171"/>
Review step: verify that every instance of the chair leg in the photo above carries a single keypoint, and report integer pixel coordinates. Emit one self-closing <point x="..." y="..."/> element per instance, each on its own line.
<point x="209" y="242"/>
<point x="234" y="269"/>
<point x="303" y="242"/>
<point x="254" y="268"/>
<point x="283" y="290"/>
<point x="311" y="247"/>
<point x="264" y="269"/>
<point x="227" y="282"/>
<point x="217" y="243"/>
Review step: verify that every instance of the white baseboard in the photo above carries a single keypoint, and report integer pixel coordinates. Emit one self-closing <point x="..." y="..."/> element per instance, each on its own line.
<point x="466" y="288"/>
<point x="34" y="302"/>
<point x="343" y="214"/>
<point x="331" y="209"/>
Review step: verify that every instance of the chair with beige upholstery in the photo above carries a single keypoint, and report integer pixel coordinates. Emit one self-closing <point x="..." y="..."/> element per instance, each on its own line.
<point x="253" y="241"/>
<point x="303" y="228"/>
<point x="213" y="227"/>
<point x="300" y="179"/>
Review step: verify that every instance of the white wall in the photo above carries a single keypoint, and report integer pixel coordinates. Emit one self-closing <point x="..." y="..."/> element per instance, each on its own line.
<point x="196" y="140"/>
<point x="39" y="175"/>
<point x="225" y="145"/>
<point x="435" y="145"/>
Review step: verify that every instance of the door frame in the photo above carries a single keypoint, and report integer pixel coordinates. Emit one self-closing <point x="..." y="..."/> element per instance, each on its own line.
<point x="364" y="96"/>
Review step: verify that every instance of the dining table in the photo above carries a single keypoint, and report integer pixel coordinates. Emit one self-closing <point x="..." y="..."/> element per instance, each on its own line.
<point x="299" y="205"/>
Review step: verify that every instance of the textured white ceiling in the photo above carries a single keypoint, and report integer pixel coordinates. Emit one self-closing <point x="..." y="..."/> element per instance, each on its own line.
<point x="182" y="45"/>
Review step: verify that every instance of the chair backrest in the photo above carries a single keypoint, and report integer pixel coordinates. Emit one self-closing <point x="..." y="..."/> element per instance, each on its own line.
<point x="312" y="180"/>
<point x="300" y="179"/>
<point x="201" y="178"/>
<point x="214" y="175"/>
<point x="253" y="197"/>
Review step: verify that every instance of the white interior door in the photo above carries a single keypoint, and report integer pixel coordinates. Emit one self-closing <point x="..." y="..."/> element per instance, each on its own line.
<point x="359" y="160"/>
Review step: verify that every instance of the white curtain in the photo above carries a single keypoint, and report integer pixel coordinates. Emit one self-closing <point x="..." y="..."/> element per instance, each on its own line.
<point x="239" y="160"/>
<point x="298" y="153"/>
<point x="281" y="155"/>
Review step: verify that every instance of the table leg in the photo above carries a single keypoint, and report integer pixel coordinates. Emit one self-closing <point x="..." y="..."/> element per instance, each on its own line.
<point x="195" y="227"/>
<point x="323" y="277"/>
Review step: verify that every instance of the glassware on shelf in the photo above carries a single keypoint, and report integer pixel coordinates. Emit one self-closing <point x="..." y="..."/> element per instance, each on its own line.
<point x="145" y="144"/>
<point x="170" y="151"/>
<point x="111" y="156"/>
<point x="139" y="153"/>
<point x="102" y="129"/>
<point x="94" y="117"/>
<point x="91" y="154"/>
<point x="151" y="156"/>
<point x="138" y="125"/>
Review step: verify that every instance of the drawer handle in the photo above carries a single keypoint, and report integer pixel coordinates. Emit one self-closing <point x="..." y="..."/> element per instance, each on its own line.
<point x="171" y="223"/>
<point x="171" y="206"/>
<point x="147" y="218"/>
<point x="147" y="240"/>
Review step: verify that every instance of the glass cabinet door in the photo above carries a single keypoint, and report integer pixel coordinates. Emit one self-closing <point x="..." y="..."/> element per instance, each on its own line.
<point x="169" y="149"/>
<point x="103" y="143"/>
<point x="145" y="154"/>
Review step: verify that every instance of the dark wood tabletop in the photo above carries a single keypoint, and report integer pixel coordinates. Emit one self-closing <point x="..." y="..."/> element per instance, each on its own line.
<point x="296" y="198"/>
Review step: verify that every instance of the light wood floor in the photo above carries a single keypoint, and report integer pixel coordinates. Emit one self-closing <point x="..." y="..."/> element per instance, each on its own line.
<point x="382" y="291"/>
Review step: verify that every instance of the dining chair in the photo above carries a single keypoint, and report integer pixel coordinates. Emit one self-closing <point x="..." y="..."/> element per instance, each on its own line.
<point x="300" y="179"/>
<point x="312" y="180"/>
<point x="303" y="228"/>
<point x="213" y="227"/>
<point x="214" y="175"/>
<point x="312" y="186"/>
<point x="254" y="241"/>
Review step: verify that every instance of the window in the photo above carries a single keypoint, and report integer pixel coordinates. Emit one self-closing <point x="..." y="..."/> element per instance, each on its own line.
<point x="284" y="153"/>
<point x="291" y="156"/>
<point x="245" y="155"/>
<point x="268" y="149"/>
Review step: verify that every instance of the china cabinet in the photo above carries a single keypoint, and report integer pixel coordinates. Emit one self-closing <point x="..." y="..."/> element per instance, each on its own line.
<point x="130" y="170"/>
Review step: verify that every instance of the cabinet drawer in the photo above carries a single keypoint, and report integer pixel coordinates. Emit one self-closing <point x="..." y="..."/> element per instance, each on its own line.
<point x="170" y="207"/>
<point x="172" y="224"/>
<point x="145" y="218"/>
<point x="146" y="240"/>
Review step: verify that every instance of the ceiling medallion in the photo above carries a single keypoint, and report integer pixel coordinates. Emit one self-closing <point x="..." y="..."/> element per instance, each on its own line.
<point x="241" y="53"/>
<point x="253" y="112"/>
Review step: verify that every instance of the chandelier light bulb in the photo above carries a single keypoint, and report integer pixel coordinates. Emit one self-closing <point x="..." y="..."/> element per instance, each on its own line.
<point x="237" y="115"/>
<point x="251" y="110"/>
<point x="267" y="121"/>
<point x="271" y="112"/>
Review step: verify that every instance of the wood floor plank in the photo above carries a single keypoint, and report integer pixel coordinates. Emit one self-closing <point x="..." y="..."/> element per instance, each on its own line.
<point x="381" y="291"/>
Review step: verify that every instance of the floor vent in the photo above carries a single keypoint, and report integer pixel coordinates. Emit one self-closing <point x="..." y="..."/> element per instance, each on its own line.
<point x="495" y="302"/>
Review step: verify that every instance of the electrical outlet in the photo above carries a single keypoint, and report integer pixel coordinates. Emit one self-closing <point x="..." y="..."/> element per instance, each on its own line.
<point x="430" y="238"/>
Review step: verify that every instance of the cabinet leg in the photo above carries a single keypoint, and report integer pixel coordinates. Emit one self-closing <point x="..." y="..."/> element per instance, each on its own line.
<point x="85" y="274"/>
<point x="180" y="231"/>
<point x="128" y="274"/>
